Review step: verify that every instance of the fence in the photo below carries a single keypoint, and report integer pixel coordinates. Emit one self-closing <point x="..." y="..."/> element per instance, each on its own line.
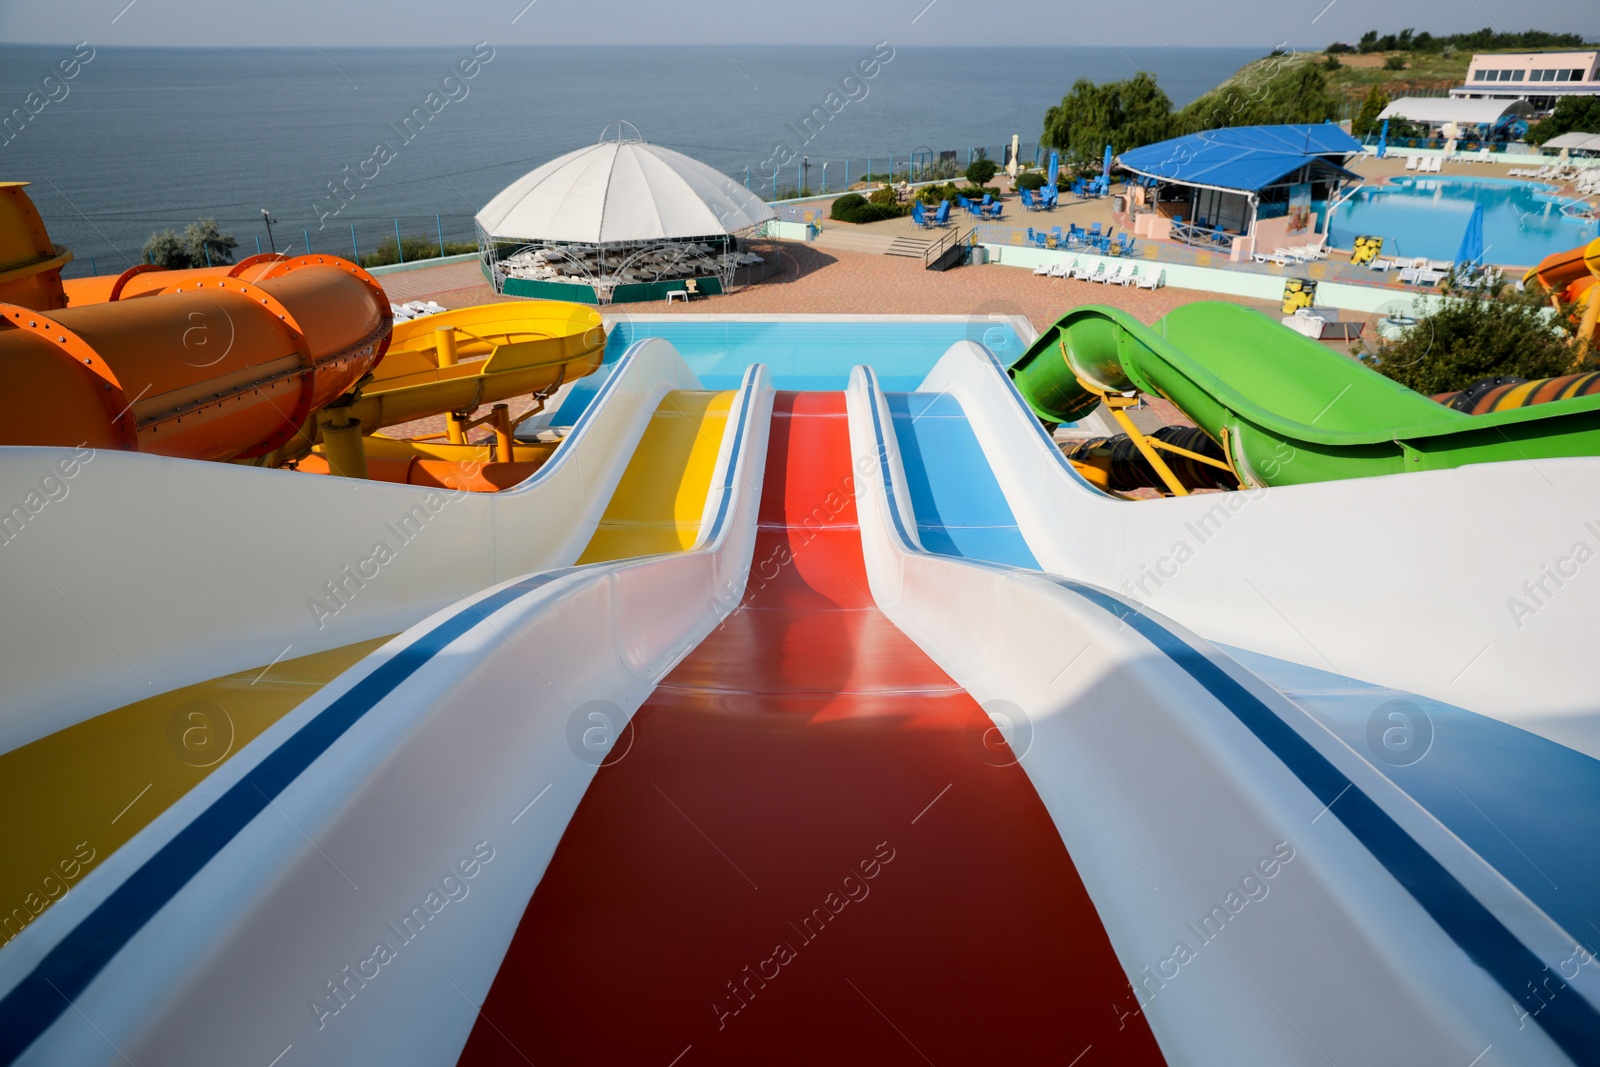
<point x="810" y="176"/>
<point x="369" y="240"/>
<point x="105" y="246"/>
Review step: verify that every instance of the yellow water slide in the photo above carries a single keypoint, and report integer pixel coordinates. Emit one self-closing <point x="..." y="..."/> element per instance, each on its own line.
<point x="74" y="797"/>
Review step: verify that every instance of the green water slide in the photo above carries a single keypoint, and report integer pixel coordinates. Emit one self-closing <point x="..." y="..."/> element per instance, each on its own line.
<point x="1286" y="409"/>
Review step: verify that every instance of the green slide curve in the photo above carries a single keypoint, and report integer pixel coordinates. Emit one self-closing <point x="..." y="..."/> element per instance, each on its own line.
<point x="1287" y="410"/>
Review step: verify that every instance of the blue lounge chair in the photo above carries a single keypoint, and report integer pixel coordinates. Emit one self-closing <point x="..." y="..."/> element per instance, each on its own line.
<point x="963" y="202"/>
<point x="1094" y="230"/>
<point x="995" y="209"/>
<point x="941" y="217"/>
<point x="975" y="210"/>
<point x="919" y="216"/>
<point x="1051" y="195"/>
<point x="1055" y="231"/>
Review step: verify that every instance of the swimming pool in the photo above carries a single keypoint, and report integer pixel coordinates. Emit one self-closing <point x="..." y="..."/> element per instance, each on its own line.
<point x="801" y="352"/>
<point x="1522" y="221"/>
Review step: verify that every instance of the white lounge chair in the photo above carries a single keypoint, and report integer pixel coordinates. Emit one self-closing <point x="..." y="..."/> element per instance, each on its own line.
<point x="1063" y="268"/>
<point x="1042" y="269"/>
<point x="1152" y="281"/>
<point x="1124" y="274"/>
<point x="1385" y="265"/>
<point x="1098" y="274"/>
<point x="1441" y="266"/>
<point x="1411" y="162"/>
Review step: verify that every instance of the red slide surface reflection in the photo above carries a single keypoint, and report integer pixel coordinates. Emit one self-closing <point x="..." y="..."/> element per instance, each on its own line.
<point x="805" y="856"/>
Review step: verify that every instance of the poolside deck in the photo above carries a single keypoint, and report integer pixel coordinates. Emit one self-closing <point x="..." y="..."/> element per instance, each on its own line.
<point x="829" y="281"/>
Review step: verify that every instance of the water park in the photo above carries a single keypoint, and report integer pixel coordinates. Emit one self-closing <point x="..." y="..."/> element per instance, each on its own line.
<point x="1113" y="608"/>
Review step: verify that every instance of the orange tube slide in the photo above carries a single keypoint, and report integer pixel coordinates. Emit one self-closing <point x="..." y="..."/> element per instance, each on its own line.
<point x="211" y="366"/>
<point x="146" y="279"/>
<point x="30" y="263"/>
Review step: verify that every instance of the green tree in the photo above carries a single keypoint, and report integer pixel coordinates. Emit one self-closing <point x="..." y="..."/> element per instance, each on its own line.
<point x="1394" y="63"/>
<point x="1473" y="335"/>
<point x="1366" y="120"/>
<point x="982" y="171"/>
<point x="199" y="240"/>
<point x="1369" y="42"/>
<point x="1124" y="114"/>
<point x="166" y="249"/>
<point x="1579" y="114"/>
<point x="206" y="244"/>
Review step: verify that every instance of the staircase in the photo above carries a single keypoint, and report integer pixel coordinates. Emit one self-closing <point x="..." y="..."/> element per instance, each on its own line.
<point x="907" y="246"/>
<point x="878" y="244"/>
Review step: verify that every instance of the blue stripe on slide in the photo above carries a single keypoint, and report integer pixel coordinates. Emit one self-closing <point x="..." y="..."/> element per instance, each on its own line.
<point x="1570" y="1021"/>
<point x="35" y="1003"/>
<point x="30" y="1008"/>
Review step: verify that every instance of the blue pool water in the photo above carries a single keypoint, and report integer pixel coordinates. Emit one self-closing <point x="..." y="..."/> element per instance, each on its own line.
<point x="799" y="355"/>
<point x="1522" y="221"/>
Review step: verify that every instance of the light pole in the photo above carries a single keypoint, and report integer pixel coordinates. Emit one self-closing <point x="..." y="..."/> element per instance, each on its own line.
<point x="268" y="220"/>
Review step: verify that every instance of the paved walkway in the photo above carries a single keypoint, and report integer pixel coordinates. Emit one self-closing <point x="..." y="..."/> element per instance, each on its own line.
<point x="814" y="281"/>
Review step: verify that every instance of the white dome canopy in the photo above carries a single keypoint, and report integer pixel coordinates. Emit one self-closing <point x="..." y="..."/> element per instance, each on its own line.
<point x="621" y="191"/>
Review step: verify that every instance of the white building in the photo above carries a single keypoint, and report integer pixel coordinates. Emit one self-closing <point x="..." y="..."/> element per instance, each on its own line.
<point x="1541" y="78"/>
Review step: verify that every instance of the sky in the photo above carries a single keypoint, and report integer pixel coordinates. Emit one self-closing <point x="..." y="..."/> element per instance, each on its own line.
<point x="351" y="23"/>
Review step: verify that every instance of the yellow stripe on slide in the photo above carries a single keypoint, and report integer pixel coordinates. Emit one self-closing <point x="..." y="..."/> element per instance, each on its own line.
<point x="662" y="495"/>
<point x="71" y="799"/>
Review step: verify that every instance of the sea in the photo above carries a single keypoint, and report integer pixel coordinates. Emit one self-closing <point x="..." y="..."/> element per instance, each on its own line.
<point x="142" y="139"/>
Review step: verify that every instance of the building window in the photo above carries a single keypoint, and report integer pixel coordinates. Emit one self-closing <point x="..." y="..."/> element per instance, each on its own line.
<point x="1517" y="75"/>
<point x="1577" y="75"/>
<point x="1477" y="75"/>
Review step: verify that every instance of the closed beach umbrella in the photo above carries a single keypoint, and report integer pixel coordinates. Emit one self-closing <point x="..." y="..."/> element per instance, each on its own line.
<point x="1383" y="139"/>
<point x="1105" y="164"/>
<point x="1055" y="165"/>
<point x="1472" y="240"/>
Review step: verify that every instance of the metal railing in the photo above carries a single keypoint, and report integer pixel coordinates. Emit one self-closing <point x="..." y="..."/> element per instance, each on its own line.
<point x="947" y="240"/>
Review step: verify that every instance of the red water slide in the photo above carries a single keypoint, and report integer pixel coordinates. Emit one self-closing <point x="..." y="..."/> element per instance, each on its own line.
<point x="807" y="855"/>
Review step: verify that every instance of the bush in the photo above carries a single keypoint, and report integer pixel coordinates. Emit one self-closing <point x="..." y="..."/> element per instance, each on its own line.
<point x="1332" y="62"/>
<point x="1031" y="180"/>
<point x="852" y="207"/>
<point x="1395" y="63"/>
<point x="982" y="171"/>
<point x="201" y="244"/>
<point x="1473" y="335"/>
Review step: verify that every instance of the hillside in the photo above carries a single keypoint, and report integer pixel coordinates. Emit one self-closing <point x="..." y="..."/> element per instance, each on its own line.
<point x="1356" y="74"/>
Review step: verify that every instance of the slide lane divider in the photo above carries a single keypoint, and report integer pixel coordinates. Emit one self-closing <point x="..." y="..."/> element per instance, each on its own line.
<point x="689" y="592"/>
<point x="1470" y="925"/>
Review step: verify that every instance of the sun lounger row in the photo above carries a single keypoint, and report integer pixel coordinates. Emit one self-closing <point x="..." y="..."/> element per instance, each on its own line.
<point x="1139" y="275"/>
<point x="1296" y="254"/>
<point x="1424" y="164"/>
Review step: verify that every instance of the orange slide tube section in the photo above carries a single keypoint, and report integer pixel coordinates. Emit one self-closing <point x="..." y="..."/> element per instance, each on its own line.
<point x="1572" y="274"/>
<point x="805" y="852"/>
<point x="30" y="263"/>
<point x="146" y="279"/>
<point x="214" y="366"/>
